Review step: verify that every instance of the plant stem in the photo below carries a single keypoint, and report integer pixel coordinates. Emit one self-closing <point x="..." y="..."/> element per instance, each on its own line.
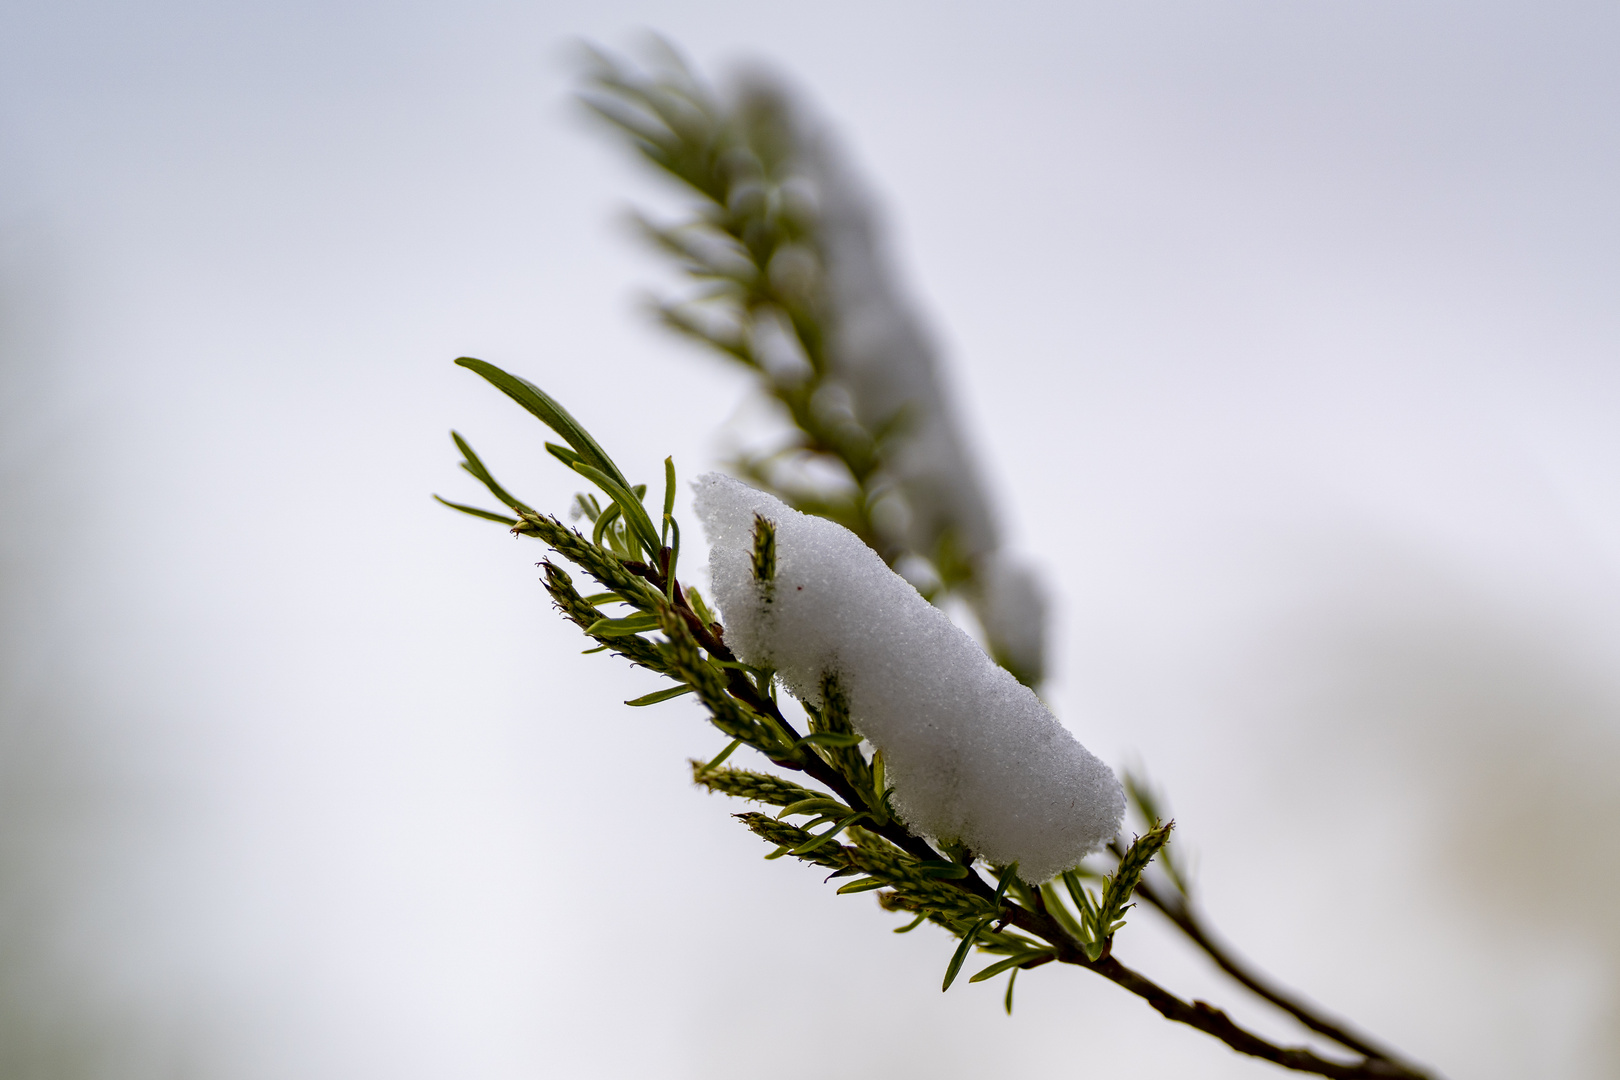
<point x="1186" y="919"/>
<point x="1212" y="1021"/>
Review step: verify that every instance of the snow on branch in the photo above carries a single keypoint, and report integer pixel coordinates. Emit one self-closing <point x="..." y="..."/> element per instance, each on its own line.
<point x="974" y="757"/>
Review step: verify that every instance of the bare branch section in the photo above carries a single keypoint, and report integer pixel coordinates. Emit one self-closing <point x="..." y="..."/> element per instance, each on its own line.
<point x="1172" y="897"/>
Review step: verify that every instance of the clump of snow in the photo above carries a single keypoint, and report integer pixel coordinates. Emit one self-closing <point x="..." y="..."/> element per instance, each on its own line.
<point x="972" y="753"/>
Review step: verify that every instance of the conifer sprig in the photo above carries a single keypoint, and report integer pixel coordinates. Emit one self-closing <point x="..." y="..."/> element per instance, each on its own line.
<point x="670" y="631"/>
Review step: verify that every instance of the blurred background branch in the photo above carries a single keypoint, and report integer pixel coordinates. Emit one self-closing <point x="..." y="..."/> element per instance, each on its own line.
<point x="790" y="279"/>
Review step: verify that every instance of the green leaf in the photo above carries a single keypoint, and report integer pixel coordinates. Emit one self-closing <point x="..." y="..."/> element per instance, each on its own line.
<point x="476" y="467"/>
<point x="1060" y="911"/>
<point x="817" y="805"/>
<point x="635" y="515"/>
<point x="1006" y="1002"/>
<point x="669" y="493"/>
<point x="1081" y="895"/>
<point x="939" y="868"/>
<point x="961" y="953"/>
<point x="822" y="838"/>
<point x="660" y="695"/>
<point x="563" y="454"/>
<point x="487" y="515"/>
<point x="604" y="521"/>
<point x="699" y="606"/>
<point x="863" y="885"/>
<point x="831" y="738"/>
<point x="722" y="755"/>
<point x="1013" y="961"/>
<point x="674" y="558"/>
<point x="630" y="624"/>
<point x="605" y="598"/>
<point x="599" y="648"/>
<point x="912" y="925"/>
<point x="586" y="507"/>
<point x="1006" y="879"/>
<point x="549" y="412"/>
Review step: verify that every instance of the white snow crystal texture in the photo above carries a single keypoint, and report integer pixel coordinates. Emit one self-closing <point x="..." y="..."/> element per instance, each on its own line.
<point x="972" y="753"/>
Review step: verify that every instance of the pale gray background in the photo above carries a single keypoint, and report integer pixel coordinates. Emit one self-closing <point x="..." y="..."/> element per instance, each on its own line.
<point x="1288" y="330"/>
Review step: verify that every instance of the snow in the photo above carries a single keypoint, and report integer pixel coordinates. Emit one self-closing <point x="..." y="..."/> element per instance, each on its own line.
<point x="973" y="754"/>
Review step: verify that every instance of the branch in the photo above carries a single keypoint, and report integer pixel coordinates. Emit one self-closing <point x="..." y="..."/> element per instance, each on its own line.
<point x="1185" y="919"/>
<point x="1212" y="1021"/>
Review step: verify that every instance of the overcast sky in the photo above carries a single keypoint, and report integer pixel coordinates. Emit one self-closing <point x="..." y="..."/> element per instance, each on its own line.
<point x="1287" y="332"/>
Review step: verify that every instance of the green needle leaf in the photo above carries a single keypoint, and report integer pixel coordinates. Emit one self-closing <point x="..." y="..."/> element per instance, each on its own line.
<point x="1082" y="897"/>
<point x="722" y="755"/>
<point x="822" y="838"/>
<point x="477" y="469"/>
<point x="604" y="520"/>
<point x="817" y="805"/>
<point x="961" y="953"/>
<point x="1013" y="961"/>
<point x="660" y="695"/>
<point x="830" y="738"/>
<point x="549" y="412"/>
<point x="938" y="868"/>
<point x="563" y="454"/>
<point x="1006" y="880"/>
<point x="669" y="494"/>
<point x="635" y="515"/>
<point x="863" y="885"/>
<point x="630" y="624"/>
<point x="1060" y="911"/>
<point x="674" y="557"/>
<point x="487" y="515"/>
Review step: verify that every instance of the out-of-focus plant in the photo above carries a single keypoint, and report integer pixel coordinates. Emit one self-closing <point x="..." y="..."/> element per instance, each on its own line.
<point x="785" y="259"/>
<point x="789" y="283"/>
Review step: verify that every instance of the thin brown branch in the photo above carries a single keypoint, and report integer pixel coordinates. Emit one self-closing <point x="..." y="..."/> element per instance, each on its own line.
<point x="1212" y="1021"/>
<point x="1185" y="919"/>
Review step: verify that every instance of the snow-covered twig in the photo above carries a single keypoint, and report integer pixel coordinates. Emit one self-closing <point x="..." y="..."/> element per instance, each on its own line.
<point x="907" y="834"/>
